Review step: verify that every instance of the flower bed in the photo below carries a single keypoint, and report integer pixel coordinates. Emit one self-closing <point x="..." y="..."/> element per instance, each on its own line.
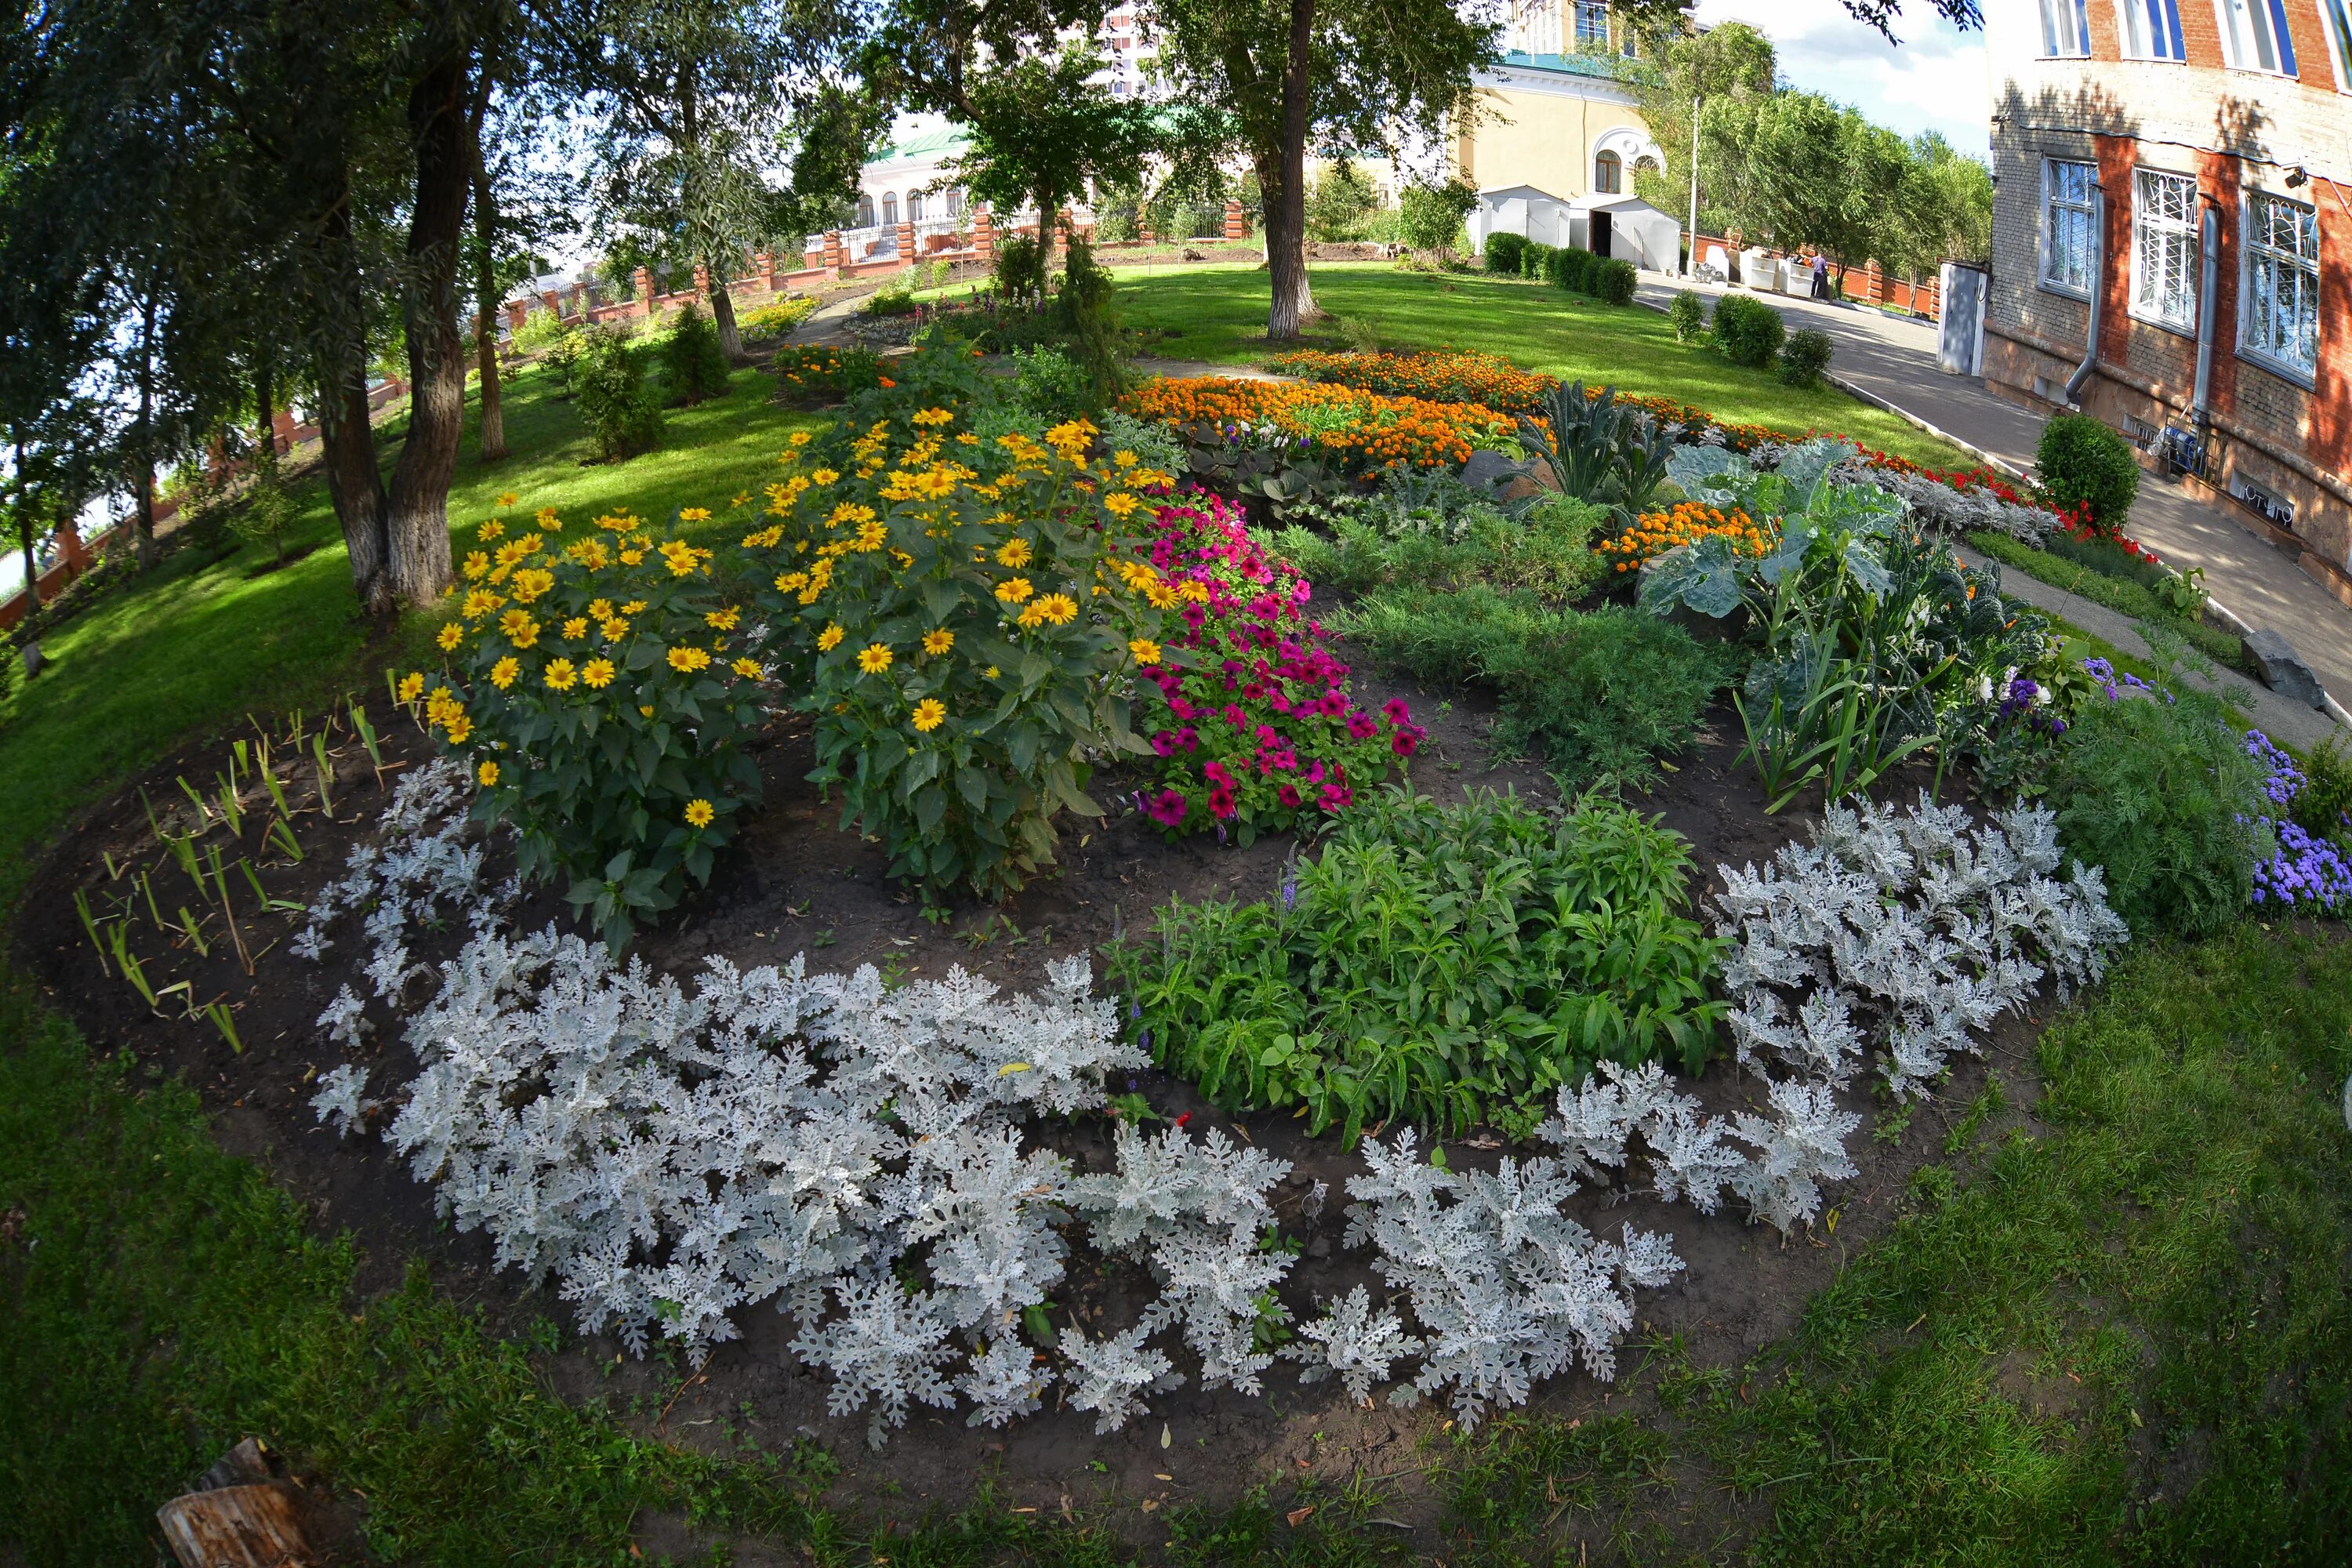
<point x="1364" y="431"/>
<point x="1254" y="726"/>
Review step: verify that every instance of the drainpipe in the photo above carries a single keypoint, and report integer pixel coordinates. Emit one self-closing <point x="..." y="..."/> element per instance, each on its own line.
<point x="2209" y="250"/>
<point x="2098" y="289"/>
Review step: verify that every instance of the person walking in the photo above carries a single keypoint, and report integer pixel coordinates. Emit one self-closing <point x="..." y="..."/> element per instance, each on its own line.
<point x="1820" y="276"/>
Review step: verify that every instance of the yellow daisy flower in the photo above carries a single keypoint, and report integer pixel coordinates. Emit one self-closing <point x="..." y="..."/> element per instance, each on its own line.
<point x="1145" y="650"/>
<point x="503" y="673"/>
<point x="559" y="675"/>
<point x="939" y="641"/>
<point x="694" y="514"/>
<point x="698" y="812"/>
<point x="1014" y="552"/>
<point x="1013" y="590"/>
<point x="686" y="661"/>
<point x="489" y="774"/>
<point x="450" y="636"/>
<point x="575" y="628"/>
<point x="749" y="668"/>
<point x="930" y="714"/>
<point x="411" y="686"/>
<point x="826" y="641"/>
<point x="874" y="658"/>
<point x="597" y="673"/>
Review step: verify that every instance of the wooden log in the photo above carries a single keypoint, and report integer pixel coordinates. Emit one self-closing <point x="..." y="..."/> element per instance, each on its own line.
<point x="235" y="1527"/>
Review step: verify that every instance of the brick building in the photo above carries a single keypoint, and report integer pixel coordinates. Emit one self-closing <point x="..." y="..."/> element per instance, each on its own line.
<point x="2180" y="168"/>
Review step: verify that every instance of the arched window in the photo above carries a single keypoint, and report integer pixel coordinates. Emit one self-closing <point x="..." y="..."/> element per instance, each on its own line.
<point x="865" y="211"/>
<point x="914" y="206"/>
<point x="1607" y="174"/>
<point x="890" y="209"/>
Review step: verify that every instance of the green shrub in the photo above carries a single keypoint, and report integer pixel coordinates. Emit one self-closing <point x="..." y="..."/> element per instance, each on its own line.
<point x="825" y="373"/>
<point x="1020" y="267"/>
<point x="2081" y="463"/>
<point x="1503" y="252"/>
<point x="1597" y="695"/>
<point x="1087" y="301"/>
<point x="693" y="364"/>
<point x="1747" y="330"/>
<point x="1612" y="281"/>
<point x="267" y="512"/>
<point x="1429" y="218"/>
<point x="538" y="331"/>
<point x="1445" y="964"/>
<point x="562" y="355"/>
<point x="1576" y="269"/>
<point x="1687" y="315"/>
<point x="2324" y="805"/>
<point x="1535" y="258"/>
<point x="2161" y="794"/>
<point x="1050" y="385"/>
<point x="1804" y="356"/>
<point x="2080" y="571"/>
<point x="896" y="297"/>
<point x="600" y="705"/>
<point x="615" y="403"/>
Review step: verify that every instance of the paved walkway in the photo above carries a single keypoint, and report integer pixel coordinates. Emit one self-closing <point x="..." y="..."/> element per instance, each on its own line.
<point x="1891" y="360"/>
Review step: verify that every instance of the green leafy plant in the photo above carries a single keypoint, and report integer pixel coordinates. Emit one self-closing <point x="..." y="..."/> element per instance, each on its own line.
<point x="775" y="320"/>
<point x="600" y="690"/>
<point x="1804" y="357"/>
<point x="1087" y="301"/>
<point x="562" y="355"/>
<point x="1598" y="449"/>
<point x="1747" y="330"/>
<point x="1599" y="696"/>
<point x="694" y="366"/>
<point x="1687" y="315"/>
<point x="2164" y="795"/>
<point x="2324" y="805"/>
<point x="825" y="374"/>
<point x="1049" y="384"/>
<point x="1612" y="281"/>
<point x="1442" y="963"/>
<point x="541" y="331"/>
<point x="267" y="513"/>
<point x="1429" y="218"/>
<point x="615" y="403"/>
<point x="2081" y="463"/>
<point x="1019" y="269"/>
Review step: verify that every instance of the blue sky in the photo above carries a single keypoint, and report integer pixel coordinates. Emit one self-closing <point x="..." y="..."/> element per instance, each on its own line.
<point x="1935" y="80"/>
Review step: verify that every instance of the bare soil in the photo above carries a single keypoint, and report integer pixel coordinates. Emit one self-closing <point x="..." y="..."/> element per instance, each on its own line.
<point x="797" y="881"/>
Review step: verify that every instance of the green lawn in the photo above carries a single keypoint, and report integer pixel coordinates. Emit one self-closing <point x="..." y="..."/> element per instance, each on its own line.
<point x="1218" y="313"/>
<point x="189" y="651"/>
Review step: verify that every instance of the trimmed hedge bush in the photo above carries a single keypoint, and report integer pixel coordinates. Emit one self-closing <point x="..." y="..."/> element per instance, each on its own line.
<point x="1503" y="252"/>
<point x="2082" y="462"/>
<point x="1535" y="256"/>
<point x="1687" y="315"/>
<point x="1612" y="281"/>
<point x="1804" y="356"/>
<point x="1747" y="330"/>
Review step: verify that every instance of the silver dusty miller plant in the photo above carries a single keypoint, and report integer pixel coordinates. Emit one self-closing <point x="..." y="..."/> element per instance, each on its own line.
<point x="1506" y="1288"/>
<point x="1907" y="933"/>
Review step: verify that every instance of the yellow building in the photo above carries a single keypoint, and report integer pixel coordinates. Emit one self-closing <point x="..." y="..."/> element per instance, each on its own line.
<point x="1552" y="115"/>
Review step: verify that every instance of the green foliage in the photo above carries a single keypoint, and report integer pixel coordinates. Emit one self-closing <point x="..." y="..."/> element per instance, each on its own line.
<point x="1612" y="281"/>
<point x="1019" y="269"/>
<point x="694" y="367"/>
<point x="2324" y="805"/>
<point x="1536" y="258"/>
<point x="1429" y="218"/>
<point x="540" y="330"/>
<point x="1596" y="449"/>
<point x="615" y="403"/>
<point x="1050" y="385"/>
<point x="267" y="512"/>
<point x="1087" y="301"/>
<point x="826" y="374"/>
<point x="1599" y="695"/>
<point x="1442" y="963"/>
<point x="599" y="711"/>
<point x="1338" y="201"/>
<point x="1502" y="251"/>
<point x="2160" y="793"/>
<point x="2082" y="463"/>
<point x="2083" y="570"/>
<point x="1804" y="356"/>
<point x="896" y="297"/>
<point x="1392" y="540"/>
<point x="562" y="355"/>
<point x="1747" y="330"/>
<point x="1687" y="315"/>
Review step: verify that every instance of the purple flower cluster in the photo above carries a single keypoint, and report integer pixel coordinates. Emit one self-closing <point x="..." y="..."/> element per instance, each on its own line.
<point x="2100" y="671"/>
<point x="2306" y="873"/>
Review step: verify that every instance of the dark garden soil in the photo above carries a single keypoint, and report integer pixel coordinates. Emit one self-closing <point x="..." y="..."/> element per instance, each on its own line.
<point x="798" y="883"/>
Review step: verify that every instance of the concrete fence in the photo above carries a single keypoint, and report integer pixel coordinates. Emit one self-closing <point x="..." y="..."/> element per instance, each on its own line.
<point x="1868" y="284"/>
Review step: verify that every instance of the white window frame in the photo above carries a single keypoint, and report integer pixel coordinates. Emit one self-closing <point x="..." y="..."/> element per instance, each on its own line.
<point x="2066" y="30"/>
<point x="1581" y="10"/>
<point x="2336" y="22"/>
<point x="2247" y="27"/>
<point x="2178" y="233"/>
<point x="2256" y="253"/>
<point x="2147" y="37"/>
<point x="2088" y="207"/>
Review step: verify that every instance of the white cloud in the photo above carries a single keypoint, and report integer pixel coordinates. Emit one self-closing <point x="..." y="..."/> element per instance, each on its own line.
<point x="1935" y="80"/>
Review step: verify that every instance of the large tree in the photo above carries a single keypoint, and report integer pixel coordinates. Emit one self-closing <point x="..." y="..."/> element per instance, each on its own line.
<point x="700" y="102"/>
<point x="1681" y="69"/>
<point x="1265" y="79"/>
<point x="1042" y="133"/>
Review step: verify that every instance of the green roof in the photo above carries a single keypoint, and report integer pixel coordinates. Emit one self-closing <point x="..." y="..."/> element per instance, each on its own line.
<point x="1595" y="64"/>
<point x="947" y="138"/>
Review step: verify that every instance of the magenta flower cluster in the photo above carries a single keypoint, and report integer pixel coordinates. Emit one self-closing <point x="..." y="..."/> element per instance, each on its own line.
<point x="1254" y="727"/>
<point x="2307" y="873"/>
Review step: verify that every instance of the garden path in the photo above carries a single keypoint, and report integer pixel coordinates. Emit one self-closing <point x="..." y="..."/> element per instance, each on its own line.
<point x="1890" y="360"/>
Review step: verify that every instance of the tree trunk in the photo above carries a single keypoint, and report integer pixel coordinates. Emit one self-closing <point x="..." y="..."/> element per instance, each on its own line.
<point x="22" y="515"/>
<point x="1285" y="192"/>
<point x="264" y="404"/>
<point x="417" y="531"/>
<point x="355" y="486"/>
<point x="485" y="289"/>
<point x="722" y="314"/>
<point x="144" y="481"/>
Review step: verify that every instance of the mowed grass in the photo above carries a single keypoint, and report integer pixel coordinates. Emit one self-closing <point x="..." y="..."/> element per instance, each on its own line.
<point x="1218" y="313"/>
<point x="189" y="651"/>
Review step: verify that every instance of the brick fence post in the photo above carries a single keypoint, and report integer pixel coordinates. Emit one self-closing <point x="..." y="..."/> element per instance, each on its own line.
<point x="518" y="312"/>
<point x="644" y="282"/>
<point x="832" y="250"/>
<point x="1237" y="223"/>
<point x="984" y="233"/>
<point x="1874" y="284"/>
<point x="766" y="261"/>
<point x="905" y="237"/>
<point x="701" y="280"/>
